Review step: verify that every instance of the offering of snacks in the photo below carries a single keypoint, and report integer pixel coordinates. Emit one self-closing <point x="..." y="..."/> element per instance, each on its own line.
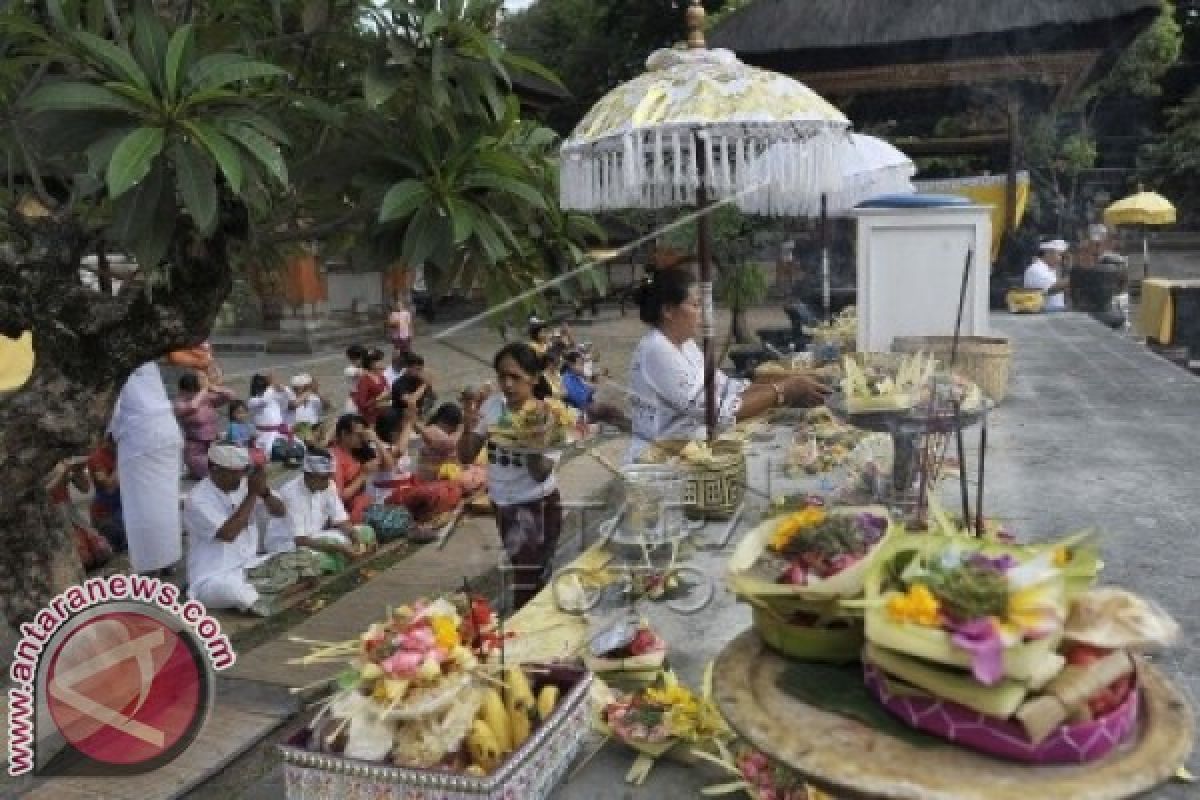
<point x="878" y="387"/>
<point x="994" y="647"/>
<point x="655" y="719"/>
<point x="804" y="573"/>
<point x="541" y="425"/>
<point x="644" y="650"/>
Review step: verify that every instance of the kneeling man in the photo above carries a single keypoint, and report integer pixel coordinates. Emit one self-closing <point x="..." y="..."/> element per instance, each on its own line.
<point x="316" y="518"/>
<point x="221" y="516"/>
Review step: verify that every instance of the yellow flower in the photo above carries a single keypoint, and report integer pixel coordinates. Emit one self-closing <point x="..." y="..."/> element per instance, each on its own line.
<point x="449" y="472"/>
<point x="1062" y="556"/>
<point x="918" y="606"/>
<point x="445" y="632"/>
<point x="793" y="524"/>
<point x="1036" y="610"/>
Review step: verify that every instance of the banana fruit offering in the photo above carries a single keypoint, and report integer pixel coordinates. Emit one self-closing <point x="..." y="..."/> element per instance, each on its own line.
<point x="506" y="719"/>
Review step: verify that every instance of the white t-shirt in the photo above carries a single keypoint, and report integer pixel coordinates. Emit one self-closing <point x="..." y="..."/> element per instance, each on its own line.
<point x="267" y="414"/>
<point x="509" y="481"/>
<point x="308" y="410"/>
<point x="666" y="391"/>
<point x="308" y="514"/>
<point x="1040" y="275"/>
<point x="390" y="374"/>
<point x="205" y="509"/>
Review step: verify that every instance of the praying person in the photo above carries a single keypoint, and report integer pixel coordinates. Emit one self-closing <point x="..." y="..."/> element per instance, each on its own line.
<point x="221" y="515"/>
<point x="310" y="406"/>
<point x="92" y="548"/>
<point x="371" y="391"/>
<point x="196" y="409"/>
<point x="439" y="448"/>
<point x="581" y="394"/>
<point x="316" y="518"/>
<point x="355" y="354"/>
<point x="399" y="326"/>
<point x="267" y="403"/>
<point x="357" y="454"/>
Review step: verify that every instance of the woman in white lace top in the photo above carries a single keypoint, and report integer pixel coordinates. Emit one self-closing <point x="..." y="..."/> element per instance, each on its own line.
<point x="666" y="373"/>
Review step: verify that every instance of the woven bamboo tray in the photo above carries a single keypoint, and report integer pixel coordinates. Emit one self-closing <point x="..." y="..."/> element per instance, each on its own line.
<point x="713" y="490"/>
<point x="852" y="760"/>
<point x="985" y="360"/>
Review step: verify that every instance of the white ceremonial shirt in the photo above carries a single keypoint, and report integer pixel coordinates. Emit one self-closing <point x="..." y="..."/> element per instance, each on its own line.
<point x="143" y="419"/>
<point x="308" y="514"/>
<point x="268" y="413"/>
<point x="1040" y="275"/>
<point x="205" y="509"/>
<point x="666" y="392"/>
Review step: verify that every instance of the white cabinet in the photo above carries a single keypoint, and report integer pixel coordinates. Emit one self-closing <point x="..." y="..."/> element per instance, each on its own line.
<point x="910" y="266"/>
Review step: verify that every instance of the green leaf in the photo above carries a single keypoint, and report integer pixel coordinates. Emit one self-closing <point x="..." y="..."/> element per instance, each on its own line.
<point x="179" y="51"/>
<point x="222" y="151"/>
<point x="100" y="152"/>
<point x="72" y="96"/>
<point x="145" y="98"/>
<point x="132" y="159"/>
<point x="261" y="123"/>
<point x="55" y="10"/>
<point x="507" y="185"/>
<point x="402" y="200"/>
<point x="426" y="231"/>
<point x="196" y="181"/>
<point x="263" y="149"/>
<point x="437" y="75"/>
<point x="135" y="210"/>
<point x="116" y="59"/>
<point x="493" y="248"/>
<point x="521" y="63"/>
<point x="322" y="111"/>
<point x="150" y="248"/>
<point x="210" y="73"/>
<point x="380" y="82"/>
<point x="149" y="43"/>
<point x="460" y="221"/>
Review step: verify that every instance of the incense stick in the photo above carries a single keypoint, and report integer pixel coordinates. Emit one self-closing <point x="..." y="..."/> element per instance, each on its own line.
<point x="983" y="437"/>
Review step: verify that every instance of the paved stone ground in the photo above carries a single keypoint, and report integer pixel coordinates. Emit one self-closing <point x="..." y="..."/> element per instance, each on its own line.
<point x="1096" y="431"/>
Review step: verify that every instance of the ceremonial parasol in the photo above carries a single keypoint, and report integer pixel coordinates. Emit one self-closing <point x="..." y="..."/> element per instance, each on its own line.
<point x="698" y="126"/>
<point x="1143" y="208"/>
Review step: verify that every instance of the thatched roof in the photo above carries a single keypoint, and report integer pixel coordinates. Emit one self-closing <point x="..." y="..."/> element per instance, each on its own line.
<point x="794" y="26"/>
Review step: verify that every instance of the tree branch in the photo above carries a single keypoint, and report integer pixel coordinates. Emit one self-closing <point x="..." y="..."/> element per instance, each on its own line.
<point x="317" y="231"/>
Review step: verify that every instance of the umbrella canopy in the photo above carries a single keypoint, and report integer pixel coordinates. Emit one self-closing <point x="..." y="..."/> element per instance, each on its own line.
<point x="871" y="167"/>
<point x="702" y="115"/>
<point x="1143" y="208"/>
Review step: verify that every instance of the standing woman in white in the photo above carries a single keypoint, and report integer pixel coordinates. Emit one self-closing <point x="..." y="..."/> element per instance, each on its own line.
<point x="149" y="462"/>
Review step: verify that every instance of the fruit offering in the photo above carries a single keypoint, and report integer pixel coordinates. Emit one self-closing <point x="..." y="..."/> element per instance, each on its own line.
<point x="539" y="425"/>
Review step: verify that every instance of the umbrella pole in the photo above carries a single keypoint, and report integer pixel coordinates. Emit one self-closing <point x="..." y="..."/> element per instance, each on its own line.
<point x="825" y="289"/>
<point x="1145" y="255"/>
<point x="707" y="323"/>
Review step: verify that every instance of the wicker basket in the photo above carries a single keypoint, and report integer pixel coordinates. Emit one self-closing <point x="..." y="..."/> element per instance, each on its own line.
<point x="985" y="360"/>
<point x="713" y="490"/>
<point x="531" y="773"/>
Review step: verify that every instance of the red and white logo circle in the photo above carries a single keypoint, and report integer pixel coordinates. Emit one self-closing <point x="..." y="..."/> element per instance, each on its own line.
<point x="126" y="687"/>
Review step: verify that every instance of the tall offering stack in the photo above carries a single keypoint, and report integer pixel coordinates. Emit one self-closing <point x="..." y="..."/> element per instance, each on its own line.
<point x="1004" y="649"/>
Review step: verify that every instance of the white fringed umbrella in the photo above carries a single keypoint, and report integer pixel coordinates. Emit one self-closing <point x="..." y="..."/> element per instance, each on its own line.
<point x="700" y="126"/>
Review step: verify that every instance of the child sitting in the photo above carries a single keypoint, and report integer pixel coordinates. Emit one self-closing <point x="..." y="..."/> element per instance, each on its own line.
<point x="439" y="450"/>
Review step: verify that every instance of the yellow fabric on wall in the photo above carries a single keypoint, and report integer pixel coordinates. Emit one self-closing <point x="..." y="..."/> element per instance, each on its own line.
<point x="985" y="190"/>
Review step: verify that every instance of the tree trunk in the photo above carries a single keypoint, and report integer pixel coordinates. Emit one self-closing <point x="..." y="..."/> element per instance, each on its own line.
<point x="85" y="345"/>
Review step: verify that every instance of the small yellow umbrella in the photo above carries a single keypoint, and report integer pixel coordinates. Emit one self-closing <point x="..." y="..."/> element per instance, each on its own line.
<point x="1143" y="208"/>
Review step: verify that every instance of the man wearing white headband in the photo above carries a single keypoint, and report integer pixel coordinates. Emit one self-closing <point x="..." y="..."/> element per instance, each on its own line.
<point x="316" y="519"/>
<point x="1045" y="271"/>
<point x="222" y="515"/>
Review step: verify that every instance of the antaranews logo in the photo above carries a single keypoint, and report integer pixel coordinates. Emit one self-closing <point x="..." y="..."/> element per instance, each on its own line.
<point x="114" y="677"/>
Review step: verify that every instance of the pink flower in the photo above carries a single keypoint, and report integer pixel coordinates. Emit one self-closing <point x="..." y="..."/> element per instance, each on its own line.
<point x="981" y="638"/>
<point x="401" y="663"/>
